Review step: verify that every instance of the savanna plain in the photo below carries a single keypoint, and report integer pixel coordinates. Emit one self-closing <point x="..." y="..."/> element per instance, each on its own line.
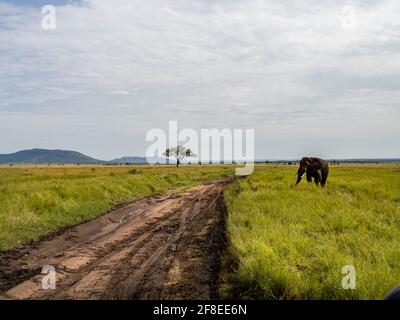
<point x="283" y="242"/>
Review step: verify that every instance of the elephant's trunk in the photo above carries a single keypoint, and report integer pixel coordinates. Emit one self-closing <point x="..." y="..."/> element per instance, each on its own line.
<point x="300" y="174"/>
<point x="298" y="179"/>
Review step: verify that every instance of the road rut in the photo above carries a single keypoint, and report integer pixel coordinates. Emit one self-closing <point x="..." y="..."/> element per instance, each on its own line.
<point x="165" y="247"/>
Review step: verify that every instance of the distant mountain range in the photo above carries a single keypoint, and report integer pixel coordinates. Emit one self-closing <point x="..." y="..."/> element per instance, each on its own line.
<point x="44" y="156"/>
<point x="356" y="160"/>
<point x="138" y="160"/>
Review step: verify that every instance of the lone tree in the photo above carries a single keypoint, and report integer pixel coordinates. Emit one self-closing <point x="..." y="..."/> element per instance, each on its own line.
<point x="179" y="153"/>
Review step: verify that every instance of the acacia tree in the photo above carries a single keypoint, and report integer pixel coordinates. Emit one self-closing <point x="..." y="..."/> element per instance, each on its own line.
<point x="179" y="153"/>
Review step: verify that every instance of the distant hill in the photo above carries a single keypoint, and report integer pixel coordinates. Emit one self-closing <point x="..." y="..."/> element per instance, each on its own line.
<point x="46" y="156"/>
<point x="138" y="160"/>
<point x="377" y="160"/>
<point x="360" y="160"/>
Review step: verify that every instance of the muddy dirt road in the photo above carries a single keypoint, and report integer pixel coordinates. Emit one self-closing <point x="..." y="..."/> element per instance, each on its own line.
<point x="155" y="248"/>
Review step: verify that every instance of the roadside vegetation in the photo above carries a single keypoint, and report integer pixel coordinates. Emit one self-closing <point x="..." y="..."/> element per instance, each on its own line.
<point x="292" y="243"/>
<point x="36" y="200"/>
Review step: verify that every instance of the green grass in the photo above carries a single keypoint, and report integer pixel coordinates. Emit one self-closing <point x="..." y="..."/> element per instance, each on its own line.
<point x="35" y="201"/>
<point x="291" y="243"/>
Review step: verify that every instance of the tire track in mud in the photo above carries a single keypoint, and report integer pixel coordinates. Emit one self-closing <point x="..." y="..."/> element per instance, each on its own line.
<point x="155" y="248"/>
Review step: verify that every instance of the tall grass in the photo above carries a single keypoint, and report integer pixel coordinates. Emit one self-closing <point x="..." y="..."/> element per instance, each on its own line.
<point x="37" y="200"/>
<point x="291" y="243"/>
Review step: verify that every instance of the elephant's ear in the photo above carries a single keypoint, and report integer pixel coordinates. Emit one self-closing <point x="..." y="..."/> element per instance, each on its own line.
<point x="308" y="161"/>
<point x="321" y="162"/>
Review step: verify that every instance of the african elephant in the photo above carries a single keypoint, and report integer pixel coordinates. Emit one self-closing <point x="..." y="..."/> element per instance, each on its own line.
<point x="314" y="168"/>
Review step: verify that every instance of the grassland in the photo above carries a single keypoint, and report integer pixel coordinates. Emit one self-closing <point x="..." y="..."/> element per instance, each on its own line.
<point x="291" y="243"/>
<point x="36" y="200"/>
<point x="285" y="242"/>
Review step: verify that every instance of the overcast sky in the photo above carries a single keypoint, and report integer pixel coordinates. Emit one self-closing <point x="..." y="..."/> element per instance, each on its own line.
<point x="311" y="77"/>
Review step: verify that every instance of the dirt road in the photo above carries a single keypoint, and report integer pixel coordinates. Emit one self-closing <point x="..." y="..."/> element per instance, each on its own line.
<point x="154" y="248"/>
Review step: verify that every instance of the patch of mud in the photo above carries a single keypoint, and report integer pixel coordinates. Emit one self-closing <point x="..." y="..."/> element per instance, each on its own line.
<point x="154" y="248"/>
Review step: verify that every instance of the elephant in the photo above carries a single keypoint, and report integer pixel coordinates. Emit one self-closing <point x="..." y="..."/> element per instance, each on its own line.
<point x="314" y="168"/>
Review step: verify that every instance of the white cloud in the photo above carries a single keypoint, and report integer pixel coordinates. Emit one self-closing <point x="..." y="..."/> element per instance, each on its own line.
<point x="287" y="68"/>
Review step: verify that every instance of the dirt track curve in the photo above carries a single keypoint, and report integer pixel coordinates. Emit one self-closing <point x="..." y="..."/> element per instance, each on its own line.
<point x="165" y="247"/>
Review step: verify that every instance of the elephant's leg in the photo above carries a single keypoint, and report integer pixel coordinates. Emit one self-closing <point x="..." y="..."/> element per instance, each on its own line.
<point x="318" y="177"/>
<point x="309" y="176"/>
<point x="324" y="178"/>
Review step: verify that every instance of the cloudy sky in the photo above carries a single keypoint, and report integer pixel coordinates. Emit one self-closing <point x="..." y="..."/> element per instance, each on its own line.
<point x="311" y="77"/>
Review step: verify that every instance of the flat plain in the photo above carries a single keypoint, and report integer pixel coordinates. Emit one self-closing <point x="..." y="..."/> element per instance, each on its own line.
<point x="291" y="242"/>
<point x="281" y="241"/>
<point x="38" y="200"/>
